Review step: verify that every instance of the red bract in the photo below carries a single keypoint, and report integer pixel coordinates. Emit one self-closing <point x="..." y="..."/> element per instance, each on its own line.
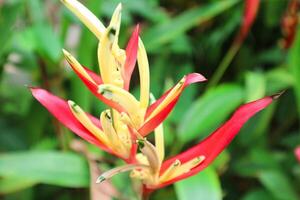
<point x="214" y="144"/>
<point x="59" y="108"/>
<point x="131" y="54"/>
<point x="250" y="11"/>
<point x="151" y="124"/>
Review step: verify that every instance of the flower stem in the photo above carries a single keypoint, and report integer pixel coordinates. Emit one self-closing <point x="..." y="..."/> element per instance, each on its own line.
<point x="146" y="196"/>
<point x="224" y="64"/>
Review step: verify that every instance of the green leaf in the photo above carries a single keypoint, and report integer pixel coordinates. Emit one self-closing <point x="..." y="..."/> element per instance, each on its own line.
<point x="165" y="32"/>
<point x="256" y="160"/>
<point x="255" y="86"/>
<point x="258" y="194"/>
<point x="278" y="184"/>
<point x="203" y="186"/>
<point x="56" y="168"/>
<point x="10" y="185"/>
<point x="294" y="63"/>
<point x="278" y="79"/>
<point x="9" y="13"/>
<point x="209" y="111"/>
<point x="47" y="41"/>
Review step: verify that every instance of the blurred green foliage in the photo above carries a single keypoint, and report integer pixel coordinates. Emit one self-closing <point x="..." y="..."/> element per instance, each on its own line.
<point x="180" y="36"/>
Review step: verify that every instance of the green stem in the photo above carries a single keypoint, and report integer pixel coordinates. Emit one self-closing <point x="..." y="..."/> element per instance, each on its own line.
<point x="224" y="65"/>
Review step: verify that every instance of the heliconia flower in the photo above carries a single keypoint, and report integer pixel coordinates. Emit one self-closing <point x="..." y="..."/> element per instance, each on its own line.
<point x="250" y="12"/>
<point x="289" y="24"/>
<point x="155" y="173"/>
<point x="118" y="128"/>
<point x="297" y="153"/>
<point x="122" y="128"/>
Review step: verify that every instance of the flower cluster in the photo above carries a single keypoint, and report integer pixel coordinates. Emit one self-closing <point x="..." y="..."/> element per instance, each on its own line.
<point x="122" y="129"/>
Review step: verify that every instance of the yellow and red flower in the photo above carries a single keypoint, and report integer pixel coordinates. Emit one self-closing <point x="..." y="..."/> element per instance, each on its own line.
<point x="123" y="128"/>
<point x="111" y="132"/>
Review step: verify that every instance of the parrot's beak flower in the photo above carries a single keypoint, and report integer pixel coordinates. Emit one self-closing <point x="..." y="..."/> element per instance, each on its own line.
<point x="129" y="118"/>
<point x="121" y="130"/>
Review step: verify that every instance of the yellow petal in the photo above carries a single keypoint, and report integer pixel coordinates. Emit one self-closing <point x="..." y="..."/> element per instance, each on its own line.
<point x="159" y="136"/>
<point x="86" y="122"/>
<point x="77" y="65"/>
<point x="115" y="22"/>
<point x="159" y="142"/>
<point x="110" y="67"/>
<point x="86" y="16"/>
<point x="125" y="99"/>
<point x="121" y="127"/>
<point x="172" y="94"/>
<point x="165" y="176"/>
<point x="117" y="170"/>
<point x="150" y="152"/>
<point x="144" y="75"/>
<point x="109" y="131"/>
<point x="183" y="168"/>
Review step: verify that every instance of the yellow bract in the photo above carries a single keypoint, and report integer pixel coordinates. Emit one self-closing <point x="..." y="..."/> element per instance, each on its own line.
<point x="86" y="122"/>
<point x="77" y="65"/>
<point x="86" y="16"/>
<point x="177" y="169"/>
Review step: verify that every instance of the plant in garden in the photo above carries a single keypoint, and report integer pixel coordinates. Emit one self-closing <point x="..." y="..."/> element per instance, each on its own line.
<point x="122" y="129"/>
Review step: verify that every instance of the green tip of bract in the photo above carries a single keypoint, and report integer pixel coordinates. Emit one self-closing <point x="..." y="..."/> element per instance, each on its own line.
<point x="276" y="96"/>
<point x="104" y="90"/>
<point x="73" y="105"/>
<point x="101" y="89"/>
<point x="100" y="179"/>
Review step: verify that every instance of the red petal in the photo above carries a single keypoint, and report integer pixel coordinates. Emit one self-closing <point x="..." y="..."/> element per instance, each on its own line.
<point x="94" y="88"/>
<point x="61" y="111"/>
<point x="157" y="119"/>
<point x="250" y="11"/>
<point x="297" y="153"/>
<point x="214" y="144"/>
<point x="93" y="75"/>
<point x="131" y="54"/>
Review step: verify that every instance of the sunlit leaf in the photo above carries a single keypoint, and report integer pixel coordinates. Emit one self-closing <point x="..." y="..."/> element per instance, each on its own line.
<point x="63" y="169"/>
<point x="203" y="186"/>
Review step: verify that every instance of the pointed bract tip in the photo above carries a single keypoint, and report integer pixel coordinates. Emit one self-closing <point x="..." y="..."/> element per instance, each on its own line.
<point x="71" y="103"/>
<point x="65" y="52"/>
<point x="30" y="87"/>
<point x="100" y="179"/>
<point x="119" y="6"/>
<point x="137" y="28"/>
<point x="68" y="56"/>
<point x="277" y="95"/>
<point x="101" y="89"/>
